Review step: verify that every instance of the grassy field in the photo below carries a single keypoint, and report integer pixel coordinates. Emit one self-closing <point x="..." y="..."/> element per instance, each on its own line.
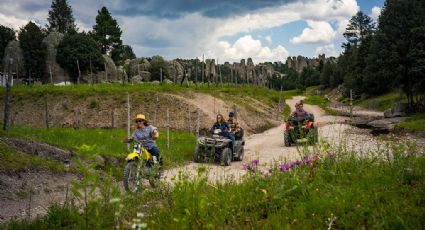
<point x="415" y="123"/>
<point x="340" y="191"/>
<point x="319" y="101"/>
<point x="382" y="102"/>
<point x="107" y="142"/>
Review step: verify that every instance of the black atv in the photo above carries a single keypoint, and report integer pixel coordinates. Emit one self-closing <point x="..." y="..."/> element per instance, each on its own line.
<point x="300" y="128"/>
<point x="218" y="149"/>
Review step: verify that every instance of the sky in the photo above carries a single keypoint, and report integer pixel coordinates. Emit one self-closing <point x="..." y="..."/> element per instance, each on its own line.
<point x="227" y="30"/>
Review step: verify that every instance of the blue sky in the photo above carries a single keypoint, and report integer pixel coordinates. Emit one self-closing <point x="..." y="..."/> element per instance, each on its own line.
<point x="266" y="30"/>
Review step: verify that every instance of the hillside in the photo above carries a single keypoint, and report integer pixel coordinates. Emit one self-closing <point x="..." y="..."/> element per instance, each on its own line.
<point x="105" y="105"/>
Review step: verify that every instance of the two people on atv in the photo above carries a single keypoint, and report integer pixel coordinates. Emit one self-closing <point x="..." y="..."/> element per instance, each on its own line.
<point x="230" y="129"/>
<point x="299" y="116"/>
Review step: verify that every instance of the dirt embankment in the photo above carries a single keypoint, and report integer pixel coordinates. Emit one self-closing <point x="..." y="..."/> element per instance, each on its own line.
<point x="109" y="110"/>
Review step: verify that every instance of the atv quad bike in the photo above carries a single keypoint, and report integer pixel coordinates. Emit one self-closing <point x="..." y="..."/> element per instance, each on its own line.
<point x="218" y="149"/>
<point x="297" y="128"/>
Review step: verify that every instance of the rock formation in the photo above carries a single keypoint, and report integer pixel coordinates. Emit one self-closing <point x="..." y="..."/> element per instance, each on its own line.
<point x="210" y="71"/>
<point x="13" y="51"/>
<point x="298" y="63"/>
<point x="54" y="72"/>
<point x="175" y="71"/>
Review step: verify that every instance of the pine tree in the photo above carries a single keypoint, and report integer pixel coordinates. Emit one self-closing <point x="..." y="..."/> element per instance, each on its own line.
<point x="31" y="40"/>
<point x="359" y="27"/>
<point x="6" y="35"/>
<point x="399" y="49"/>
<point x="106" y="31"/>
<point x="60" y="18"/>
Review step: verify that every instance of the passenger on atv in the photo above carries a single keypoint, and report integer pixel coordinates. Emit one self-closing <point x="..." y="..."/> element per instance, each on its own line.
<point x="300" y="125"/>
<point x="235" y="129"/>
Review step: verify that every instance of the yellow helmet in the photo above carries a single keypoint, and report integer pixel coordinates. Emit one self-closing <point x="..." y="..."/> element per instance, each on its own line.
<point x="140" y="116"/>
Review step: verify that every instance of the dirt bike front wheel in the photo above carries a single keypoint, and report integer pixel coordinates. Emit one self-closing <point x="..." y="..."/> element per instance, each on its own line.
<point x="132" y="177"/>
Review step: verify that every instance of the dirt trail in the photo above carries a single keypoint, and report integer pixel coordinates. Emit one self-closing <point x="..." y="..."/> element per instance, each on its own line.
<point x="268" y="147"/>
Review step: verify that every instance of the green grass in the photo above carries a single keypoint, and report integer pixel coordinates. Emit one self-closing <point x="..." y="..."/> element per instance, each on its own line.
<point x="342" y="192"/>
<point x="319" y="101"/>
<point x="415" y="123"/>
<point x="222" y="91"/>
<point x="108" y="142"/>
<point x="12" y="160"/>
<point x="382" y="102"/>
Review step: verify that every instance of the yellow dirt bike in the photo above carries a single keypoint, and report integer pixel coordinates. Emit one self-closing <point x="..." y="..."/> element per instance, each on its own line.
<point x="140" y="169"/>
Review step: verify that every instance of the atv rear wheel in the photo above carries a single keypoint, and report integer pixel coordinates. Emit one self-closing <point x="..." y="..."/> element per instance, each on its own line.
<point x="226" y="156"/>
<point x="239" y="157"/>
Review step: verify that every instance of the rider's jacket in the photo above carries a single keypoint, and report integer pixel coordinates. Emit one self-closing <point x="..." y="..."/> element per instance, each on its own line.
<point x="223" y="126"/>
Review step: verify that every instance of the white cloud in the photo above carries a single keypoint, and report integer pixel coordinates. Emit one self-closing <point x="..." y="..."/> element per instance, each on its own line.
<point x="268" y="39"/>
<point x="376" y="11"/>
<point x="247" y="46"/>
<point x="328" y="49"/>
<point x="319" y="32"/>
<point x="12" y="22"/>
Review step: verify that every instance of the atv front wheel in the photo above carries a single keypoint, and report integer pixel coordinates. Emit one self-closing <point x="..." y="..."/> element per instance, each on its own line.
<point x="196" y="157"/>
<point x="226" y="156"/>
<point x="239" y="157"/>
<point x="287" y="138"/>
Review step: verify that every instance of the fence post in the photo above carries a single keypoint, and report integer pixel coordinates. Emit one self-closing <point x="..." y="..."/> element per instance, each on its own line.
<point x="79" y="72"/>
<point x="351" y="105"/>
<point x="51" y="75"/>
<point x="197" y="123"/>
<point x="156" y="111"/>
<point x="168" y="129"/>
<point x="7" y="98"/>
<point x="234" y="110"/>
<point x="190" y="121"/>
<point x="128" y="120"/>
<point x="113" y="118"/>
<point x="46" y="112"/>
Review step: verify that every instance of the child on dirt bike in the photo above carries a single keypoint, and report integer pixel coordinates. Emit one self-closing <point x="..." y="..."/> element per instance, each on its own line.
<point x="147" y="134"/>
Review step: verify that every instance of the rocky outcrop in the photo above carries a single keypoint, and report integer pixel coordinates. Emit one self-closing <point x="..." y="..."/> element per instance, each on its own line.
<point x="250" y="71"/>
<point x="300" y="62"/>
<point x="13" y="51"/>
<point x="210" y="70"/>
<point x="54" y="72"/>
<point x="398" y="110"/>
<point x="175" y="71"/>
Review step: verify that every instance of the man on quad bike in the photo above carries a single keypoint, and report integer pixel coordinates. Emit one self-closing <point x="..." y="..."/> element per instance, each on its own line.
<point x="299" y="125"/>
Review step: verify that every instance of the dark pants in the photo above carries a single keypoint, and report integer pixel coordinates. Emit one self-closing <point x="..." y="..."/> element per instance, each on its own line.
<point x="155" y="152"/>
<point x="231" y="137"/>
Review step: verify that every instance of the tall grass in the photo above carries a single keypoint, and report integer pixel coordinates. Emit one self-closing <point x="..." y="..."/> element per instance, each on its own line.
<point x="338" y="192"/>
<point x="416" y="123"/>
<point x="108" y="142"/>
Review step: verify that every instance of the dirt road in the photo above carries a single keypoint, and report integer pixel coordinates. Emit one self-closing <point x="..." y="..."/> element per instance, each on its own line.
<point x="269" y="149"/>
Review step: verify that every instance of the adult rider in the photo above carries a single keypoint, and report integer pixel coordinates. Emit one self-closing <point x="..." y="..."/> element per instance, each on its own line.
<point x="224" y="127"/>
<point x="147" y="134"/>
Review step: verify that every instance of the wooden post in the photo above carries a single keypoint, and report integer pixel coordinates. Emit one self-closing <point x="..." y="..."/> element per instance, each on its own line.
<point x="128" y="120"/>
<point x="91" y="72"/>
<point x="202" y="70"/>
<point x="279" y="105"/>
<point x="160" y="75"/>
<point x="190" y="121"/>
<point x="79" y="72"/>
<point x="196" y="71"/>
<point x="351" y="105"/>
<point x="234" y="110"/>
<point x="51" y="75"/>
<point x="197" y="123"/>
<point x="7" y="98"/>
<point x="168" y="129"/>
<point x="106" y="72"/>
<point x="156" y="111"/>
<point x="113" y="118"/>
<point x="46" y="112"/>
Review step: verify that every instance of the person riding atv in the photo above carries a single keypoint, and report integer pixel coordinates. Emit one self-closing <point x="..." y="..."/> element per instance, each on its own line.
<point x="220" y="146"/>
<point x="300" y="124"/>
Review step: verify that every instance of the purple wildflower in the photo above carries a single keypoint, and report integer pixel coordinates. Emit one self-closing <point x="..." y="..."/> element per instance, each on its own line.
<point x="255" y="162"/>
<point x="298" y="162"/>
<point x="284" y="167"/>
<point x="245" y="165"/>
